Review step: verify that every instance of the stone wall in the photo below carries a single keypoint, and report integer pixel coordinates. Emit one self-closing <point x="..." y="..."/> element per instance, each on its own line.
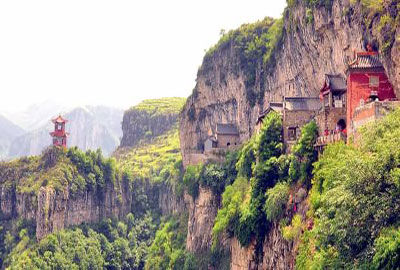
<point x="371" y="112"/>
<point x="328" y="118"/>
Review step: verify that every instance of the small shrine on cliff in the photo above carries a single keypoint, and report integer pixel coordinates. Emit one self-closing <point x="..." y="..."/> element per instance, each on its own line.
<point x="59" y="134"/>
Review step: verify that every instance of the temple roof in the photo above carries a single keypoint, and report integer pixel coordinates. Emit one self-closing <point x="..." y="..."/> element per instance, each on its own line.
<point x="336" y="82"/>
<point x="366" y="60"/>
<point x="227" y="129"/>
<point x="59" y="119"/>
<point x="302" y="103"/>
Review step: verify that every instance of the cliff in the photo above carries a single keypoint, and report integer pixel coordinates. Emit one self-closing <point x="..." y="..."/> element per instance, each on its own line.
<point x="236" y="82"/>
<point x="55" y="192"/>
<point x="149" y="119"/>
<point x="312" y="40"/>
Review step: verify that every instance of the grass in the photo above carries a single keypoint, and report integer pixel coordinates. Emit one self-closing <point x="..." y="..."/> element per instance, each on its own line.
<point x="153" y="159"/>
<point x="169" y="105"/>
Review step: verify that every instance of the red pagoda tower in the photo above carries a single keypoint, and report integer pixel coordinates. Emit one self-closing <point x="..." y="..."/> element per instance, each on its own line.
<point x="59" y="135"/>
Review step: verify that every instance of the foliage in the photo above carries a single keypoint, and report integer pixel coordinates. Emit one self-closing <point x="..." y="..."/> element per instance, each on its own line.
<point x="309" y="16"/>
<point x="148" y="160"/>
<point x="246" y="159"/>
<point x="211" y="175"/>
<point x="387" y="246"/>
<point x="254" y="44"/>
<point x="277" y="198"/>
<point x="108" y="245"/>
<point x="304" y="154"/>
<point x="355" y="196"/>
<point x="168" y="105"/>
<point x="233" y="201"/>
<point x="259" y="163"/>
<point x="293" y="231"/>
<point x="57" y="169"/>
<point x="191" y="180"/>
<point x="168" y="248"/>
<point x="158" y="161"/>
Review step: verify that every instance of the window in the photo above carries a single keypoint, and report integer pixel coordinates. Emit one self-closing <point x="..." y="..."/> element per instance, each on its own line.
<point x="373" y="81"/>
<point x="292" y="133"/>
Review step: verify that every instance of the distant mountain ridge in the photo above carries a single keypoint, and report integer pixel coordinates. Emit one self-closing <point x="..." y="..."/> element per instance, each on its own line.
<point x="8" y="132"/>
<point x="90" y="127"/>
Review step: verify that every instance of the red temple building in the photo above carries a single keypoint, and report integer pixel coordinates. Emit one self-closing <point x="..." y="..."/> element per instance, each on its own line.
<point x="366" y="83"/>
<point x="59" y="135"/>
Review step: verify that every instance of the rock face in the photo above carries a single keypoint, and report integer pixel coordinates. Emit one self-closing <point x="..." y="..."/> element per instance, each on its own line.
<point x="307" y="52"/>
<point x="53" y="210"/>
<point x="277" y="253"/>
<point x="202" y="213"/>
<point x="169" y="202"/>
<point x="309" y="49"/>
<point x="139" y="124"/>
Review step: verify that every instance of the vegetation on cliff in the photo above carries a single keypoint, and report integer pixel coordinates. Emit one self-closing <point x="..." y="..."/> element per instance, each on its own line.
<point x="169" y="105"/>
<point x="59" y="169"/>
<point x="110" y="244"/>
<point x="254" y="44"/>
<point x="149" y="119"/>
<point x="260" y="193"/>
<point x="355" y="203"/>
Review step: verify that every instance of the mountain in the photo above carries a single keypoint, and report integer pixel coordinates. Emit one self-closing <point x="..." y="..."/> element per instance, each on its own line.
<point x="37" y="115"/>
<point x="150" y="118"/>
<point x="8" y="132"/>
<point x="90" y="127"/>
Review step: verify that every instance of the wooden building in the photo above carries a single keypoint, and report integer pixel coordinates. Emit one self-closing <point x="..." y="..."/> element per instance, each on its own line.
<point x="59" y="134"/>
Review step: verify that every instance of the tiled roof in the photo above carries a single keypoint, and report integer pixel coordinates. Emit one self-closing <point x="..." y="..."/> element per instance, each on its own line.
<point x="227" y="129"/>
<point x="59" y="119"/>
<point x="302" y="103"/>
<point x="336" y="82"/>
<point x="366" y="60"/>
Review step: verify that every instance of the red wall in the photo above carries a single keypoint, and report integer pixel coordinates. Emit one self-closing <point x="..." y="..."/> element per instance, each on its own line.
<point x="358" y="88"/>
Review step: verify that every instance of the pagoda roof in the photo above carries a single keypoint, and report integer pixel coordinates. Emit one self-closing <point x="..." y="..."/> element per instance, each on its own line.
<point x="59" y="119"/>
<point x="364" y="60"/>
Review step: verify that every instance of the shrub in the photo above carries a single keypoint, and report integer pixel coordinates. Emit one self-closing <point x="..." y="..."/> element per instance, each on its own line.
<point x="233" y="201"/>
<point x="387" y="246"/>
<point x="293" y="231"/>
<point x="213" y="176"/>
<point x="191" y="180"/>
<point x="246" y="159"/>
<point x="304" y="154"/>
<point x="277" y="198"/>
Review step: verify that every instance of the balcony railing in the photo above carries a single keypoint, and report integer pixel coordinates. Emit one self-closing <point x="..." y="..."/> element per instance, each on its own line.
<point x="331" y="138"/>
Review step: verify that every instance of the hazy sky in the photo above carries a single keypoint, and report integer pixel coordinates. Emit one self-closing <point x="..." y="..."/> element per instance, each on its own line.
<point x="111" y="52"/>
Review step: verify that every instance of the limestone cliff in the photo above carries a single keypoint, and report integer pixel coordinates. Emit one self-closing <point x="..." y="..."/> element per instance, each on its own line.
<point x="149" y="119"/>
<point x="315" y="41"/>
<point x="202" y="213"/>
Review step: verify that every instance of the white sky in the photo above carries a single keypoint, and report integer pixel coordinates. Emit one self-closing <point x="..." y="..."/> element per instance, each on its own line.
<point x="111" y="52"/>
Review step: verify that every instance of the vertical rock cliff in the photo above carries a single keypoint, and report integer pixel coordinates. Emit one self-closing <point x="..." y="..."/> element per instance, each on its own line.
<point x="314" y="40"/>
